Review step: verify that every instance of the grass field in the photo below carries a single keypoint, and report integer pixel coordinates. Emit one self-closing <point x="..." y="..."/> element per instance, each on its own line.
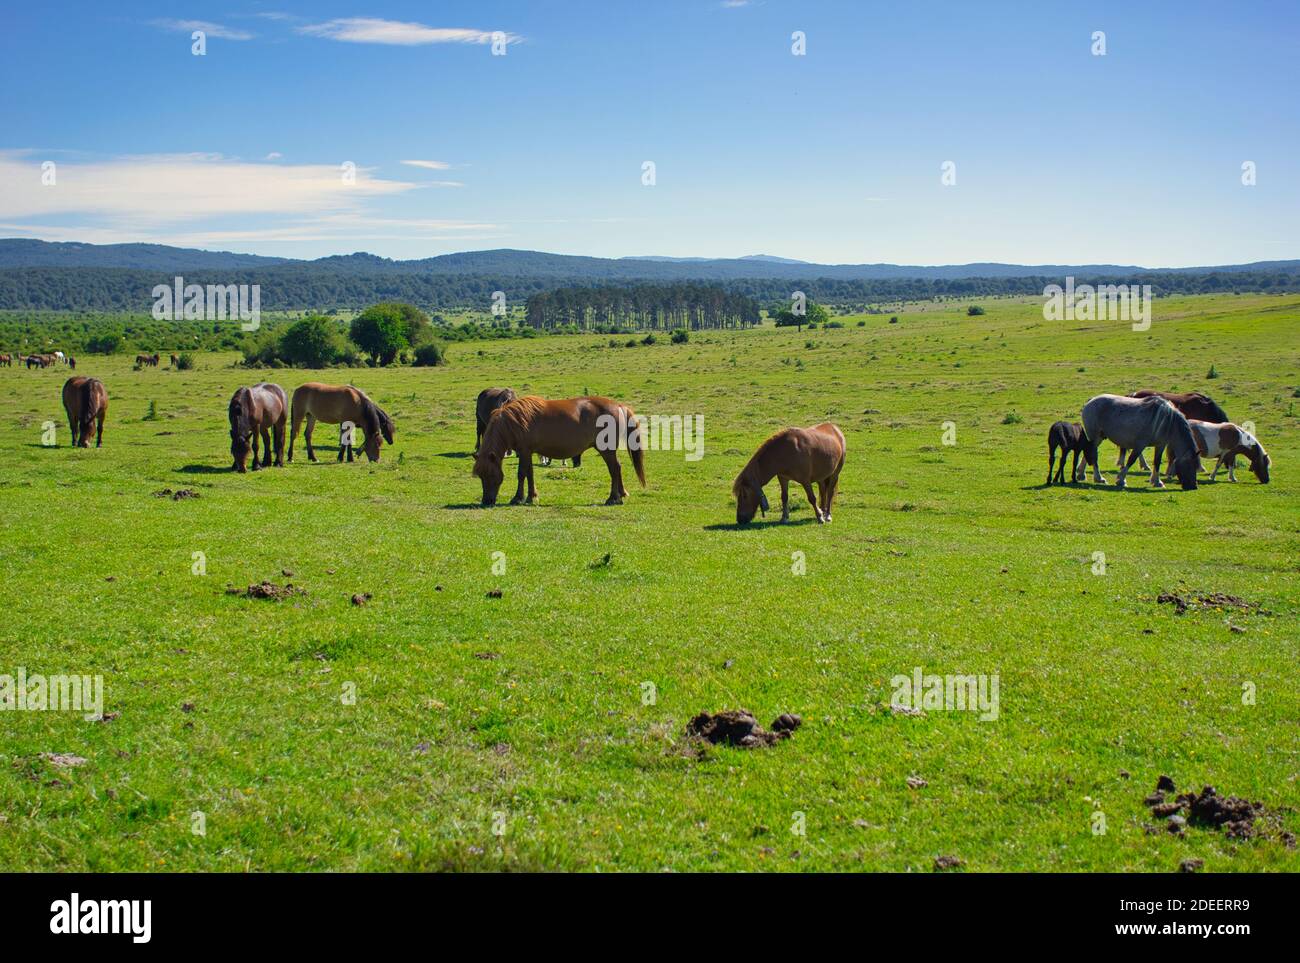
<point x="512" y="732"/>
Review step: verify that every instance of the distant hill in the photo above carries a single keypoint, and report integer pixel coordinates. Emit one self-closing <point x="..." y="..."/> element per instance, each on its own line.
<point x="508" y="263"/>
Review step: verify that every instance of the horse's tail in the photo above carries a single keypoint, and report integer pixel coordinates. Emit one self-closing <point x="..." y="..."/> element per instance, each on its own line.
<point x="636" y="445"/>
<point x="295" y="419"/>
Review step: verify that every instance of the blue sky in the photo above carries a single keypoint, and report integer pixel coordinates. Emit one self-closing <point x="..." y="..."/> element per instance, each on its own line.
<point x="833" y="156"/>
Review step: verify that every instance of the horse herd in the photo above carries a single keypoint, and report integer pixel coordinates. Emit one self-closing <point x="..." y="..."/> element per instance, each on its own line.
<point x="45" y="360"/>
<point x="1186" y="426"/>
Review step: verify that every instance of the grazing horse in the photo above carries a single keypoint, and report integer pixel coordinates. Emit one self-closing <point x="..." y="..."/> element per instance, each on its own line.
<point x="36" y="361"/>
<point x="6" y="360"/>
<point x="804" y="455"/>
<point x="1137" y="423"/>
<point x="263" y="409"/>
<point x="1192" y="404"/>
<point x="1068" y="437"/>
<point x="1223" y="440"/>
<point x="86" y="402"/>
<point x="489" y="400"/>
<point x="563" y="428"/>
<point x="335" y="404"/>
<point x="175" y="361"/>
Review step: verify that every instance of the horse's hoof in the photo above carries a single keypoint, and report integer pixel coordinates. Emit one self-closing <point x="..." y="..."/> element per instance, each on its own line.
<point x="516" y="501"/>
<point x="613" y="501"/>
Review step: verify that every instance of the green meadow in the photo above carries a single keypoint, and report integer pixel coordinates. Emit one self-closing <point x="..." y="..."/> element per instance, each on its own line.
<point x="436" y="726"/>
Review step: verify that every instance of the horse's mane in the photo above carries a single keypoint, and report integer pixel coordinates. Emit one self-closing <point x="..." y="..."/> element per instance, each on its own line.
<point x="241" y="421"/>
<point x="751" y="466"/>
<point x="513" y="419"/>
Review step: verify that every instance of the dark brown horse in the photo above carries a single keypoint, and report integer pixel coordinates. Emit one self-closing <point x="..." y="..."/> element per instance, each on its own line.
<point x="86" y="402"/>
<point x="1069" y="437"/>
<point x="563" y="428"/>
<point x="804" y="455"/>
<point x="262" y="409"/>
<point x="489" y="400"/>
<point x="335" y="404"/>
<point x="6" y="360"/>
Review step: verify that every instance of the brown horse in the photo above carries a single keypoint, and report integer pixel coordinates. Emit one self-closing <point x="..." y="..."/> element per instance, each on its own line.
<point x="804" y="455"/>
<point x="563" y="428"/>
<point x="489" y="400"/>
<point x="6" y="360"/>
<point x="175" y="361"/>
<point x="86" y="402"/>
<point x="263" y="409"/>
<point x="335" y="404"/>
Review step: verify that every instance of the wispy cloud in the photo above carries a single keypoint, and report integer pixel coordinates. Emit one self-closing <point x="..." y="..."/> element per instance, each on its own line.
<point x="735" y="3"/>
<point x="396" y="32"/>
<point x="432" y="165"/>
<point x="209" y="28"/>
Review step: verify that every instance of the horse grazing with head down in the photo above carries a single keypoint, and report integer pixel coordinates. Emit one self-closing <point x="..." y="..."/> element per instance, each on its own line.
<point x="563" y="428"/>
<point x="1192" y="404"/>
<point x="335" y="404"/>
<point x="489" y="400"/>
<point x="1137" y="423"/>
<point x="804" y="455"/>
<point x="86" y="402"/>
<point x="1225" y="440"/>
<point x="262" y="409"/>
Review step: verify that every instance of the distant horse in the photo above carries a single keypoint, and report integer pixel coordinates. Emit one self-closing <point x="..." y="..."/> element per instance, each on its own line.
<point x="263" y="409"/>
<point x="6" y="360"/>
<point x="72" y="362"/>
<point x="1192" y="404"/>
<point x="489" y="400"/>
<point x="335" y="404"/>
<point x="1068" y="437"/>
<point x="37" y="361"/>
<point x="1224" y="440"/>
<point x="86" y="402"/>
<point x="804" y="455"/>
<point x="175" y="361"/>
<point x="563" y="428"/>
<point x="1137" y="423"/>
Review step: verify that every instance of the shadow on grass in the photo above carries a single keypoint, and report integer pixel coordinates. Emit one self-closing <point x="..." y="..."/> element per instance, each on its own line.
<point x="753" y="526"/>
<point x="456" y="454"/>
<point x="206" y="470"/>
<point x="1108" y="487"/>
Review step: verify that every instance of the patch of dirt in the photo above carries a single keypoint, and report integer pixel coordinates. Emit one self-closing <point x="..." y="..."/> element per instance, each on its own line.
<point x="63" y="760"/>
<point x="1212" y="600"/>
<point x="267" y="590"/>
<point x="494" y="593"/>
<point x="738" y="727"/>
<point x="176" y="496"/>
<point x="942" y="863"/>
<point x="1238" y="818"/>
<point x="361" y="598"/>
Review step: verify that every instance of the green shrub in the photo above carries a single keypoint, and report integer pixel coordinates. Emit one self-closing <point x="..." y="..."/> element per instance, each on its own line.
<point x="680" y="336"/>
<point x="648" y="339"/>
<point x="1012" y="419"/>
<point x="974" y="311"/>
<point x="184" y="361"/>
<point x="430" y="355"/>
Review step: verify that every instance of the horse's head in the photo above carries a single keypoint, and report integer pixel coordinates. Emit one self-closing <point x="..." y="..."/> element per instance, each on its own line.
<point x="378" y="425"/>
<point x="488" y="470"/>
<point x="749" y="499"/>
<point x="1185" y="468"/>
<point x="241" y="429"/>
<point x="1259" y="462"/>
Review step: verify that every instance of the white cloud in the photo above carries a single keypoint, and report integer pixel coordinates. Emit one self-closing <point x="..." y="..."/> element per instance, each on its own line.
<point x="396" y="32"/>
<point x="430" y="164"/>
<point x="211" y="29"/>
<point x="274" y="155"/>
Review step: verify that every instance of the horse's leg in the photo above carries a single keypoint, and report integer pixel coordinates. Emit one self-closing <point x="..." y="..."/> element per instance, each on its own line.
<point x="279" y="443"/>
<point x="266" y="447"/>
<point x="1051" y="462"/>
<point x="785" y="499"/>
<point x="293" y="434"/>
<point x="521" y="472"/>
<point x="807" y="488"/>
<point x="823" y="495"/>
<point x="1094" y="449"/>
<point x="1232" y="468"/>
<point x="1124" y="469"/>
<point x="834" y="490"/>
<point x="72" y="427"/>
<point x="306" y="436"/>
<point x="99" y="431"/>
<point x="1217" y="465"/>
<point x="253" y="441"/>
<point x="1157" y="453"/>
<point x="616" y="490"/>
<point x="1119" y="462"/>
<point x="478" y="433"/>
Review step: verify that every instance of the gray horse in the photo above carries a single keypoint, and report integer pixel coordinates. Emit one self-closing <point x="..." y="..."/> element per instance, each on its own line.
<point x="1137" y="423"/>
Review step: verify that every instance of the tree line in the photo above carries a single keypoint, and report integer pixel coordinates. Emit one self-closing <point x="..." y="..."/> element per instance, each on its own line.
<point x="652" y="307"/>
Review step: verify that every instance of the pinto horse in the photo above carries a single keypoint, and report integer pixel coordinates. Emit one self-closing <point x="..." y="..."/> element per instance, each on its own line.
<point x="1223" y="441"/>
<point x="562" y="428"/>
<point x="335" y="404"/>
<point x="1137" y="423"/>
<point x="489" y="400"/>
<point x="804" y="455"/>
<point x="263" y="409"/>
<point x="86" y="402"/>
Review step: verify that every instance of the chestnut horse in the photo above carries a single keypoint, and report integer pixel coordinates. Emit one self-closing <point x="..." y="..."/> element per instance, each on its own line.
<point x="263" y="408"/>
<point x="335" y="404"/>
<point x="489" y="400"/>
<point x="86" y="402"/>
<point x="804" y="455"/>
<point x="563" y="428"/>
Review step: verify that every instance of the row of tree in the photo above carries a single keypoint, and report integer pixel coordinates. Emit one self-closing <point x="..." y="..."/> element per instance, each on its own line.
<point x="662" y="307"/>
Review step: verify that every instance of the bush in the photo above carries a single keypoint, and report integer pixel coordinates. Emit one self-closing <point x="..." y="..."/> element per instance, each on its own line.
<point x="1012" y="419"/>
<point x="107" y="343"/>
<point x="430" y="355"/>
<point x="680" y="336"/>
<point x="893" y="319"/>
<point x="974" y="311"/>
<point x="648" y="339"/>
<point x="380" y="331"/>
<point x="184" y="361"/>
<point x="1212" y="373"/>
<point x="313" y="342"/>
